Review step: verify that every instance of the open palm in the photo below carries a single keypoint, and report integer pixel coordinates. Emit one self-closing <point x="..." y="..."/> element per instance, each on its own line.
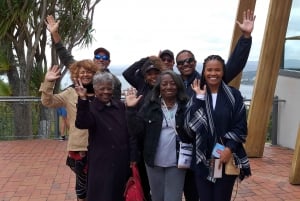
<point x="53" y="73"/>
<point x="51" y="24"/>
<point x="130" y="97"/>
<point x="248" y="21"/>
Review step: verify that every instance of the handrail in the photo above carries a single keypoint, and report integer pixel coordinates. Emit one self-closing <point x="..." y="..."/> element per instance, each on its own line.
<point x="19" y="98"/>
<point x="273" y="131"/>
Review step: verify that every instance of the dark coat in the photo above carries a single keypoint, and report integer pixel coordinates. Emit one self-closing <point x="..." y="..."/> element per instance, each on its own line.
<point x="108" y="150"/>
<point x="148" y="122"/>
<point x="228" y="118"/>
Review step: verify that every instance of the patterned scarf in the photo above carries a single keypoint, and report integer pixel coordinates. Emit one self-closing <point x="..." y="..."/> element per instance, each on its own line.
<point x="200" y="125"/>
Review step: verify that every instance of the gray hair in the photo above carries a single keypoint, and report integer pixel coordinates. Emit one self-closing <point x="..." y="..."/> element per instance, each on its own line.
<point x="103" y="77"/>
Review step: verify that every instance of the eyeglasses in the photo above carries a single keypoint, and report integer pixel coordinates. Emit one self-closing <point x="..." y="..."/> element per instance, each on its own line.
<point x="188" y="60"/>
<point x="103" y="57"/>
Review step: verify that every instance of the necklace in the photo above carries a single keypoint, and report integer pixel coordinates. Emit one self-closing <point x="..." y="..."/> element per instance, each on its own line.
<point x="169" y="105"/>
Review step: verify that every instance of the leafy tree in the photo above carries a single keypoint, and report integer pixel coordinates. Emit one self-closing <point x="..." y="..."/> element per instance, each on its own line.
<point x="4" y="89"/>
<point x="24" y="38"/>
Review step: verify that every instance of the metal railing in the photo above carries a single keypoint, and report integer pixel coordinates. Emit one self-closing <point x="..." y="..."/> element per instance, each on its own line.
<point x="44" y="120"/>
<point x="273" y="123"/>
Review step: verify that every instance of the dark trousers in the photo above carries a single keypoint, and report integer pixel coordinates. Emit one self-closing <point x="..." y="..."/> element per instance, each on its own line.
<point x="190" y="189"/>
<point x="221" y="190"/>
<point x="144" y="179"/>
<point x="79" y="167"/>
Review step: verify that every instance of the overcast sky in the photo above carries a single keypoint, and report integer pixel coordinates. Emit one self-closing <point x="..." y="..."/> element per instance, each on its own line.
<point x="132" y="29"/>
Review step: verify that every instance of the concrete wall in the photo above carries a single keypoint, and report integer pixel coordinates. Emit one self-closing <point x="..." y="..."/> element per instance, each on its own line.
<point x="288" y="89"/>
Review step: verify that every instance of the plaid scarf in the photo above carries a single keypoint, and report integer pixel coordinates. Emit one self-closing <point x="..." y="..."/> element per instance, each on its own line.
<point x="199" y="125"/>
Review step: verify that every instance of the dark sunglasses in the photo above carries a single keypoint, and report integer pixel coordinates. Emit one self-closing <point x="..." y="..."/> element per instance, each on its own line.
<point x="188" y="60"/>
<point x="103" y="57"/>
<point x="167" y="60"/>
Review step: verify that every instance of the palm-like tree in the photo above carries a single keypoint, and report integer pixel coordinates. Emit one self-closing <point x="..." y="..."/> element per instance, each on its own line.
<point x="24" y="38"/>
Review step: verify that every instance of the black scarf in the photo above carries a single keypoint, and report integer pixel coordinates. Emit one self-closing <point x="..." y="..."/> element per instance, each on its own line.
<point x="89" y="87"/>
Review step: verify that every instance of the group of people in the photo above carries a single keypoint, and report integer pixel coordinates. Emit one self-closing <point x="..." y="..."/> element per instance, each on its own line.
<point x="108" y="135"/>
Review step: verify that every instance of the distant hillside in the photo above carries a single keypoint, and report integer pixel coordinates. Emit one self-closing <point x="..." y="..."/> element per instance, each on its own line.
<point x="248" y="77"/>
<point x="250" y="66"/>
<point x="289" y="63"/>
<point x="249" y="72"/>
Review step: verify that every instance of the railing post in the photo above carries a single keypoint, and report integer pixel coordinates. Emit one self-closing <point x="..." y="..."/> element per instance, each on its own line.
<point x="274" y="121"/>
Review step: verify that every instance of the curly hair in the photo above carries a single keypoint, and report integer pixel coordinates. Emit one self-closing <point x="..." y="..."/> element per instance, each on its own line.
<point x="87" y="64"/>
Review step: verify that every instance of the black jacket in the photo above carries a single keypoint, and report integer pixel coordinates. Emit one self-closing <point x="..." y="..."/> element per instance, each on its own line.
<point x="147" y="123"/>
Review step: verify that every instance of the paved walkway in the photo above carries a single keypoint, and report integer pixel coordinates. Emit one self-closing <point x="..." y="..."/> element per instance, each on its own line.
<point x="35" y="170"/>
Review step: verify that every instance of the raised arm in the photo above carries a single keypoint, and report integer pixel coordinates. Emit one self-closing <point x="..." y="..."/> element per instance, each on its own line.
<point x="52" y="27"/>
<point x="64" y="55"/>
<point x="84" y="118"/>
<point x="239" y="56"/>
<point x="49" y="99"/>
<point x="133" y="75"/>
<point x="247" y="25"/>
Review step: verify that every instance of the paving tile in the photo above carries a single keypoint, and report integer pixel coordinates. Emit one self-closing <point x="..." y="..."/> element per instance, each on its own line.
<point x="35" y="170"/>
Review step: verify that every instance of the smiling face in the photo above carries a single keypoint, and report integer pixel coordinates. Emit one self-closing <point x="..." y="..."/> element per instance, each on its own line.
<point x="102" y="61"/>
<point x="151" y="76"/>
<point x="213" y="74"/>
<point x="104" y="91"/>
<point x="168" y="87"/>
<point x="186" y="64"/>
<point x="168" y="61"/>
<point x="85" y="75"/>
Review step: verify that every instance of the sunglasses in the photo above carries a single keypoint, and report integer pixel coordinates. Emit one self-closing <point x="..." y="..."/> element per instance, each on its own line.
<point x="167" y="60"/>
<point x="103" y="57"/>
<point x="188" y="60"/>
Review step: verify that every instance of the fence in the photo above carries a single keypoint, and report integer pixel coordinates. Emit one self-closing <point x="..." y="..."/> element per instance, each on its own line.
<point x="273" y="123"/>
<point x="44" y="120"/>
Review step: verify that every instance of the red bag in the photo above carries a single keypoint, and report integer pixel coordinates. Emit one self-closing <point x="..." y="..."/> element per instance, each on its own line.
<point x="134" y="190"/>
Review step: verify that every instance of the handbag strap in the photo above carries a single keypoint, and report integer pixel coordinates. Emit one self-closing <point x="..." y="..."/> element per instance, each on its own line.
<point x="135" y="171"/>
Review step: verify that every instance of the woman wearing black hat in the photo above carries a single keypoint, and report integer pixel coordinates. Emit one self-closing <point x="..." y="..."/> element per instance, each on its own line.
<point x="143" y="75"/>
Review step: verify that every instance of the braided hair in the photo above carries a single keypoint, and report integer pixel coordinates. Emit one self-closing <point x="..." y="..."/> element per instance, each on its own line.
<point x="209" y="58"/>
